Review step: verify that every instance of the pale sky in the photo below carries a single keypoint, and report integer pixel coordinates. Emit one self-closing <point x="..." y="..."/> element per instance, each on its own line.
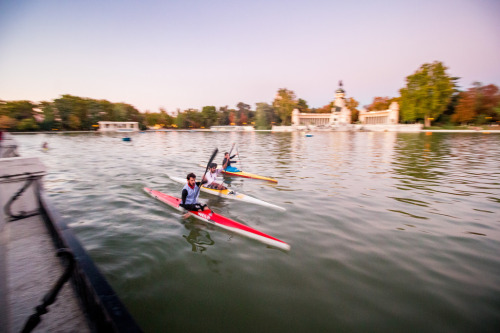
<point x="191" y="53"/>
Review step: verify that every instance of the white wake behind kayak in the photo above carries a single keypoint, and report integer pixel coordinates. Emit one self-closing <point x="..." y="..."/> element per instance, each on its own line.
<point x="230" y="194"/>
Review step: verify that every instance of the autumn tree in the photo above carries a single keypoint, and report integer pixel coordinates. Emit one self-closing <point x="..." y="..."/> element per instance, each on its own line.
<point x="427" y="93"/>
<point x="478" y="104"/>
<point x="325" y="109"/>
<point x="352" y="105"/>
<point x="379" y="104"/>
<point x="284" y="103"/>
<point x="465" y="109"/>
<point x="7" y="123"/>
<point x="243" y="113"/>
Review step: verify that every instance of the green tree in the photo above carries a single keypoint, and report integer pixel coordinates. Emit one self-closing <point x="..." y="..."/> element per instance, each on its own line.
<point x="302" y="105"/>
<point x="223" y="116"/>
<point x="427" y="93"/>
<point x="284" y="103"/>
<point x="190" y="118"/>
<point x="208" y="116"/>
<point x="18" y="110"/>
<point x="68" y="106"/>
<point x="27" y="124"/>
<point x="49" y="116"/>
<point x="264" y="116"/>
<point x="180" y="120"/>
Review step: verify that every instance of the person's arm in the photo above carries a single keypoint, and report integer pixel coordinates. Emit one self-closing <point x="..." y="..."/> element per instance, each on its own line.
<point x="233" y="156"/>
<point x="184" y="196"/>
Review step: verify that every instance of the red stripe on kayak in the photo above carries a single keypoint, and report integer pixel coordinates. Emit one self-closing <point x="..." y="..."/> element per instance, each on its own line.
<point x="219" y="219"/>
<point x="209" y="215"/>
<point x="168" y="199"/>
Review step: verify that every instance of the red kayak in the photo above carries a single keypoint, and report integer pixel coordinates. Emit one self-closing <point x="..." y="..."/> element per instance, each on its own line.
<point x="213" y="218"/>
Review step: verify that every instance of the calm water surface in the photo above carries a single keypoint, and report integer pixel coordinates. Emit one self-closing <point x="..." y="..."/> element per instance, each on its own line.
<point x="389" y="232"/>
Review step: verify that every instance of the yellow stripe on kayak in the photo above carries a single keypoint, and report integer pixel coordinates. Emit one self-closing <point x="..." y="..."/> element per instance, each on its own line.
<point x="224" y="192"/>
<point x="250" y="175"/>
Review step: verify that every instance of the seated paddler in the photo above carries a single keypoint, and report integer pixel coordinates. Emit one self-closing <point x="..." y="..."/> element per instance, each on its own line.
<point x="190" y="194"/>
<point x="228" y="160"/>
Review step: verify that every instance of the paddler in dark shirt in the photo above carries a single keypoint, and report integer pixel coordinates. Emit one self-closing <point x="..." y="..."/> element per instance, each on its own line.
<point x="190" y="193"/>
<point x="228" y="159"/>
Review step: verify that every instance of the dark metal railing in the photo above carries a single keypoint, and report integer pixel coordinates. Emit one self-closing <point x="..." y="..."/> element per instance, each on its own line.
<point x="103" y="308"/>
<point x="51" y="296"/>
<point x="102" y="305"/>
<point x="22" y="214"/>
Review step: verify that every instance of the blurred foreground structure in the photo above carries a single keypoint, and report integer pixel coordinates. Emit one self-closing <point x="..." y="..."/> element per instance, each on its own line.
<point x="48" y="283"/>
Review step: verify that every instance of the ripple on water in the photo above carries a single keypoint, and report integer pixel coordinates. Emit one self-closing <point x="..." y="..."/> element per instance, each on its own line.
<point x="388" y="230"/>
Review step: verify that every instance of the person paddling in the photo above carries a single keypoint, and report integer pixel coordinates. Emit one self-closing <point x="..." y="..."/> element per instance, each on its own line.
<point x="190" y="193"/>
<point x="211" y="176"/>
<point x="227" y="160"/>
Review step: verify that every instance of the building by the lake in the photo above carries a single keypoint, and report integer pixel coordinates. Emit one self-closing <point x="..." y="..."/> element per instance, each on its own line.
<point x="339" y="119"/>
<point x="118" y="126"/>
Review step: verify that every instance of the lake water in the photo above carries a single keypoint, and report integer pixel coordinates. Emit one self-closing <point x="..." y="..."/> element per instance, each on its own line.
<point x="388" y="231"/>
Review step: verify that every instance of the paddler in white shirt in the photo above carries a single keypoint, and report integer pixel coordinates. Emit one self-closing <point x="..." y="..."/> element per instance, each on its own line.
<point x="190" y="193"/>
<point x="209" y="179"/>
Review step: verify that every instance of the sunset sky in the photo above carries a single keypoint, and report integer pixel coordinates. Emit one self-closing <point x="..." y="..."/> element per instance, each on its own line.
<point x="188" y="54"/>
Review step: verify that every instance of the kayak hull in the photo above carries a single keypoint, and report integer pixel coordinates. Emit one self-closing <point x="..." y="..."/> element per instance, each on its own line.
<point x="229" y="194"/>
<point x="210" y="217"/>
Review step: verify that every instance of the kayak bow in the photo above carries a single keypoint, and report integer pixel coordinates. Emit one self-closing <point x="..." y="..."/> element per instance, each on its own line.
<point x="230" y="194"/>
<point x="210" y="217"/>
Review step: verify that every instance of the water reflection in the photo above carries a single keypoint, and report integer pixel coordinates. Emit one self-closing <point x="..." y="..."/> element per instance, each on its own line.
<point x="198" y="238"/>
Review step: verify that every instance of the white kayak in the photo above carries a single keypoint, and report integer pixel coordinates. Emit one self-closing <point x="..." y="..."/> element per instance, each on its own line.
<point x="230" y="194"/>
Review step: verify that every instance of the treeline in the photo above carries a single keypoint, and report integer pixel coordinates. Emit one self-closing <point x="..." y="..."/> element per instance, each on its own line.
<point x="66" y="113"/>
<point x="430" y="96"/>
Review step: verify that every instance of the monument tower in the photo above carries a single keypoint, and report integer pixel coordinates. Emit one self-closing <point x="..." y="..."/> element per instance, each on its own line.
<point x="340" y="115"/>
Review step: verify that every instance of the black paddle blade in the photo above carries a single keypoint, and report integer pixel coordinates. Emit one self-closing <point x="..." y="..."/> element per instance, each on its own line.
<point x="216" y="150"/>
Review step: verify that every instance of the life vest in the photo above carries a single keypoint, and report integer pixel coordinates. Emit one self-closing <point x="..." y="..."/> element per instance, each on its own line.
<point x="192" y="197"/>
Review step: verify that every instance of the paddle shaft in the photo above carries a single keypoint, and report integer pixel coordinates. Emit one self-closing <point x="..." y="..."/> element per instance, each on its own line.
<point x="216" y="150"/>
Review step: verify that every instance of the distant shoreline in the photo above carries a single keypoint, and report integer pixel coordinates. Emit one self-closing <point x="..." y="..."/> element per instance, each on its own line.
<point x="208" y="130"/>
